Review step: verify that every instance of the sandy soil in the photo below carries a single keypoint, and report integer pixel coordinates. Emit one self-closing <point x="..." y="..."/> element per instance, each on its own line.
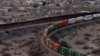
<point x="84" y="38"/>
<point x="26" y="45"/>
<point x="17" y="46"/>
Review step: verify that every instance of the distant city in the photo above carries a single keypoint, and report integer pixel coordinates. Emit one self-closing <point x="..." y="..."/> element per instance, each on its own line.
<point x="12" y="11"/>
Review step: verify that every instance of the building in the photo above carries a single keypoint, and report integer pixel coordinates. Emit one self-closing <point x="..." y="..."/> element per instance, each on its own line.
<point x="58" y="1"/>
<point x="48" y="1"/>
<point x="98" y="1"/>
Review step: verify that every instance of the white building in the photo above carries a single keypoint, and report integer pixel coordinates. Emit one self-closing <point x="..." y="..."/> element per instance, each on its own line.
<point x="29" y="2"/>
<point x="48" y="1"/>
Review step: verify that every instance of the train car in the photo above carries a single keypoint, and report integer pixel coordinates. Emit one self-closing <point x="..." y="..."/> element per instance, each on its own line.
<point x="69" y="52"/>
<point x="79" y="19"/>
<point x="96" y="16"/>
<point x="79" y="54"/>
<point x="71" y="20"/>
<point x="45" y="32"/>
<point x="51" y="44"/>
<point x="63" y="50"/>
<point x="56" y="46"/>
<point x="63" y="23"/>
<point x="53" y="27"/>
<point x="56" y="26"/>
<point x="47" y="41"/>
<point x="50" y="29"/>
<point x="44" y="39"/>
<point x="88" y="17"/>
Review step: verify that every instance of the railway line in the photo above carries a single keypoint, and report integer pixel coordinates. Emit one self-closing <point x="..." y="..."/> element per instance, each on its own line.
<point x="39" y="21"/>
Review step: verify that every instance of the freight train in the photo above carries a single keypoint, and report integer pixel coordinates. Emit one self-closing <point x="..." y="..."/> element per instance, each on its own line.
<point x="56" y="46"/>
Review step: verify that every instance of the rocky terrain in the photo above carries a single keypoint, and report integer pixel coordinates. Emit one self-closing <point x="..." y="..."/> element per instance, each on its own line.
<point x="24" y="42"/>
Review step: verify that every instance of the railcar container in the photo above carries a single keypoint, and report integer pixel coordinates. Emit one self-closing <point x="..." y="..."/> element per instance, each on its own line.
<point x="44" y="39"/>
<point x="74" y="53"/>
<point x="79" y="54"/>
<point x="56" y="46"/>
<point x="63" y="50"/>
<point x="46" y="30"/>
<point x="79" y="19"/>
<point x="63" y="22"/>
<point x="47" y="41"/>
<point x="71" y="20"/>
<point x="68" y="52"/>
<point x="51" y="44"/>
<point x="44" y="33"/>
<point x="96" y="16"/>
<point x="88" y="17"/>
<point x="56" y="26"/>
<point x="50" y="29"/>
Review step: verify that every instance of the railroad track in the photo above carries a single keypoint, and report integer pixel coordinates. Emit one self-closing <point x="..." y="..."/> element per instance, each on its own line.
<point x="40" y="49"/>
<point x="39" y="21"/>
